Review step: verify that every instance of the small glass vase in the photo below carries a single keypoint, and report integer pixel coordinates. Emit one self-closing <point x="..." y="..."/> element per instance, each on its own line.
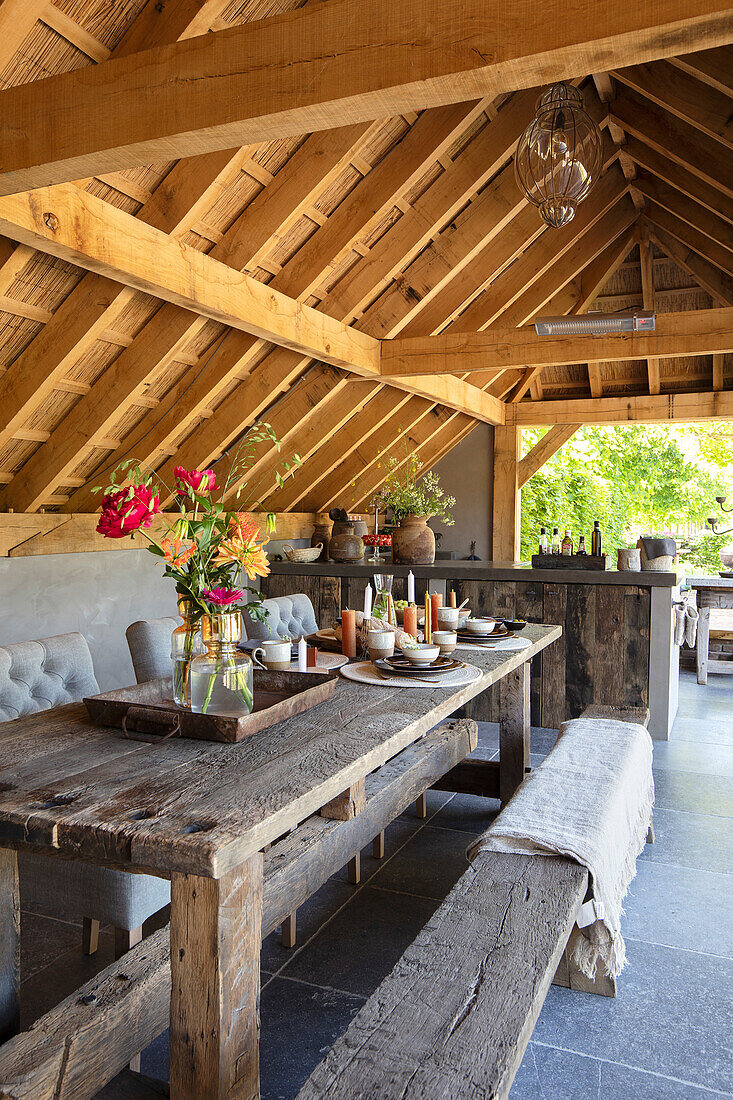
<point x="185" y="645"/>
<point x="220" y="681"/>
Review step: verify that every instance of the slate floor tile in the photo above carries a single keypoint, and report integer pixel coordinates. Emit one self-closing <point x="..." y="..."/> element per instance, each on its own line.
<point x="558" y="1074"/>
<point x="467" y="812"/>
<point x="299" y="1024"/>
<point x="691" y="840"/>
<point x="672" y="1016"/>
<point x="311" y="916"/>
<point x="680" y="907"/>
<point x="710" y="731"/>
<point x="624" y="1083"/>
<point x="693" y="792"/>
<point x="428" y="865"/>
<point x="693" y="757"/>
<point x="359" y="947"/>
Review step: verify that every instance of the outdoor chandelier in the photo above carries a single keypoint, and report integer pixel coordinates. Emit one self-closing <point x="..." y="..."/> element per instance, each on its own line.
<point x="559" y="155"/>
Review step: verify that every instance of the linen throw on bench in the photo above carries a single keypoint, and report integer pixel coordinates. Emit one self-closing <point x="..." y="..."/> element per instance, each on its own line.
<point x="590" y="800"/>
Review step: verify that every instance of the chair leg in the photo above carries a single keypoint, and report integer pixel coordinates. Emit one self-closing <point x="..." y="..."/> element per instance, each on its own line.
<point x="378" y="846"/>
<point x="650" y="833"/>
<point x="90" y="935"/>
<point x="288" y="929"/>
<point x="124" y="940"/>
<point x="421" y="805"/>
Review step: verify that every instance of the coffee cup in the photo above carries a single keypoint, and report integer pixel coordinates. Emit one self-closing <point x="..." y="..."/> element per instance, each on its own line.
<point x="447" y="618"/>
<point x="274" y="654"/>
<point x="380" y="644"/>
<point x="446" y="639"/>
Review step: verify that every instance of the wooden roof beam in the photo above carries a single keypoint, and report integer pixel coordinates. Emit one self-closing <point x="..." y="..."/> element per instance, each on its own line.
<point x="715" y="253"/>
<point x="709" y="277"/>
<point x="699" y="218"/>
<point x="713" y="67"/>
<point x="649" y="409"/>
<point x="319" y="67"/>
<point x="696" y="332"/>
<point x="543" y="451"/>
<point x="656" y="164"/>
<point x="703" y="107"/>
<point x="673" y="138"/>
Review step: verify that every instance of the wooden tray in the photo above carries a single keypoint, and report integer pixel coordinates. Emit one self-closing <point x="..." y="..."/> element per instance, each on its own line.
<point x="568" y="561"/>
<point x="149" y="708"/>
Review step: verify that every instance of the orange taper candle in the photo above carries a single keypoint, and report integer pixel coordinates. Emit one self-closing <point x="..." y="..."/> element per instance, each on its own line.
<point x="348" y="634"/>
<point x="452" y="598"/>
<point x="436" y="601"/>
<point x="409" y="620"/>
<point x="427" y="633"/>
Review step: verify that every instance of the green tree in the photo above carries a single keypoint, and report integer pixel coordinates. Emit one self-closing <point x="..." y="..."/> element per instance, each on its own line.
<point x="633" y="479"/>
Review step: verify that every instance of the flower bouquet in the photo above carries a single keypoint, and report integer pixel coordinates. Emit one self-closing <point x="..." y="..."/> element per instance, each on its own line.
<point x="206" y="547"/>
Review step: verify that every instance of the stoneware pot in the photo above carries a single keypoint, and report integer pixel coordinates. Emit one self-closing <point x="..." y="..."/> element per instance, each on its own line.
<point x="346" y="546"/>
<point x="321" y="535"/>
<point x="413" y="542"/>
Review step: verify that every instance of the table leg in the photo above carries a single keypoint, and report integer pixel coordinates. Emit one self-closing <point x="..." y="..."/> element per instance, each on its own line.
<point x="215" y="972"/>
<point x="513" y="730"/>
<point x="702" y="649"/>
<point x="9" y="944"/>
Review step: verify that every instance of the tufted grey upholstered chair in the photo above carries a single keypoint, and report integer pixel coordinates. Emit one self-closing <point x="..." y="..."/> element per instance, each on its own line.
<point x="149" y="642"/>
<point x="36" y="676"/>
<point x="293" y="615"/>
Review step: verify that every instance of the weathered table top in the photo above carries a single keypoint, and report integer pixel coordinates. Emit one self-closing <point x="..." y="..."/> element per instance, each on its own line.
<point x="74" y="789"/>
<point x="710" y="582"/>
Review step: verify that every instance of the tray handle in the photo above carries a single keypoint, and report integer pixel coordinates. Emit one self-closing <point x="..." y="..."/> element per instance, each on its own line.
<point x="151" y="718"/>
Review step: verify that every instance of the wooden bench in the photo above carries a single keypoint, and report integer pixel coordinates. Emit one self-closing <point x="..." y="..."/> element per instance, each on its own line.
<point x="81" y="1044"/>
<point x="454" y="1017"/>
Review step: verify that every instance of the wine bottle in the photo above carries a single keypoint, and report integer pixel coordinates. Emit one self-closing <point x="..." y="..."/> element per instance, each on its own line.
<point x="596" y="546"/>
<point x="543" y="541"/>
<point x="555" y="541"/>
<point x="582" y="552"/>
<point x="567" y="544"/>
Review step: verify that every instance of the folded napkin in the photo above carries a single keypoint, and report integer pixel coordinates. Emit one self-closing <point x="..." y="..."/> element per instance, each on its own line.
<point x="590" y="800"/>
<point x="679" y="625"/>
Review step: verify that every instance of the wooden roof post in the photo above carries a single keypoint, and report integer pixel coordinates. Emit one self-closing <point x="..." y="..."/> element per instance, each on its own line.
<point x="507" y="502"/>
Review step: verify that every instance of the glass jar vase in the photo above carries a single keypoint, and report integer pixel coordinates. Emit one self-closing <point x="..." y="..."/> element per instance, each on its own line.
<point x="185" y="645"/>
<point x="220" y="681"/>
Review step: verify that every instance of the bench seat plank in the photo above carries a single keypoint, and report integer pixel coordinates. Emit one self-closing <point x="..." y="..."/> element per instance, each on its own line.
<point x="455" y="1015"/>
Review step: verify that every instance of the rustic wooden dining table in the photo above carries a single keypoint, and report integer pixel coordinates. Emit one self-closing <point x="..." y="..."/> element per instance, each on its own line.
<point x="201" y="813"/>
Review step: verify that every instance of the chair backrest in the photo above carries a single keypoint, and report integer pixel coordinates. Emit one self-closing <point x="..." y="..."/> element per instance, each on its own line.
<point x="44" y="673"/>
<point x="293" y="615"/>
<point x="149" y="642"/>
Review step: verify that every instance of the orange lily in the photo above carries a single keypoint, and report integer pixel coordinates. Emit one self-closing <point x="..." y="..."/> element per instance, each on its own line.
<point x="242" y="547"/>
<point x="172" y="552"/>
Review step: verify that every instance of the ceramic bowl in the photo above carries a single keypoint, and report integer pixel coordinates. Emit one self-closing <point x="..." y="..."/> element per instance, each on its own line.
<point x="480" y="626"/>
<point x="447" y="618"/>
<point x="463" y="616"/>
<point x="421" y="654"/>
<point x="446" y="640"/>
<point x="514" y="624"/>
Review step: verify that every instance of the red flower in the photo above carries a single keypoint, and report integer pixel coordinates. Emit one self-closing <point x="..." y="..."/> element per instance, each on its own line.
<point x="222" y="597"/>
<point x="198" y="480"/>
<point x="127" y="510"/>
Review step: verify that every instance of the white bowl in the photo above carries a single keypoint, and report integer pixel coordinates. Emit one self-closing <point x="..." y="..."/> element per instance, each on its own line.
<point x="421" y="654"/>
<point x="480" y="626"/>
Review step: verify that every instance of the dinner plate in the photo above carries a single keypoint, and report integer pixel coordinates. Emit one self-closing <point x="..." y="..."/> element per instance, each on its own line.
<point x="402" y="667"/>
<point x="494" y="636"/>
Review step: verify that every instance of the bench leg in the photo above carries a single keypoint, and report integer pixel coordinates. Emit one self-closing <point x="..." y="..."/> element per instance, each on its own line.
<point x="9" y="944"/>
<point x="215" y="984"/>
<point x="514" y="730"/>
<point x="702" y="649"/>
<point x="124" y="940"/>
<point x="421" y="806"/>
<point x="90" y="936"/>
<point x="378" y="846"/>
<point x="347" y="804"/>
<point x="571" y="977"/>
<point x="354" y="869"/>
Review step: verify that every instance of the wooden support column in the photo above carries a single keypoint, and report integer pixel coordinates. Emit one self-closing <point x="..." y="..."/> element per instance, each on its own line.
<point x="9" y="944"/>
<point x="215" y="972"/>
<point x="647" y="286"/>
<point x="507" y="507"/>
<point x="514" y="729"/>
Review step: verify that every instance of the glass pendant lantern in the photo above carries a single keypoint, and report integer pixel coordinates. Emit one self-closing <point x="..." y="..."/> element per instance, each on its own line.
<point x="559" y="155"/>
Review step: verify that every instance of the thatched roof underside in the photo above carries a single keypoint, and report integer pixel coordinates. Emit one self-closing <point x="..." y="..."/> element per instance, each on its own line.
<point x="403" y="226"/>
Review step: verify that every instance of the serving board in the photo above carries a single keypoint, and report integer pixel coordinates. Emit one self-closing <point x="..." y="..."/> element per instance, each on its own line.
<point x="568" y="561"/>
<point x="149" y="709"/>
